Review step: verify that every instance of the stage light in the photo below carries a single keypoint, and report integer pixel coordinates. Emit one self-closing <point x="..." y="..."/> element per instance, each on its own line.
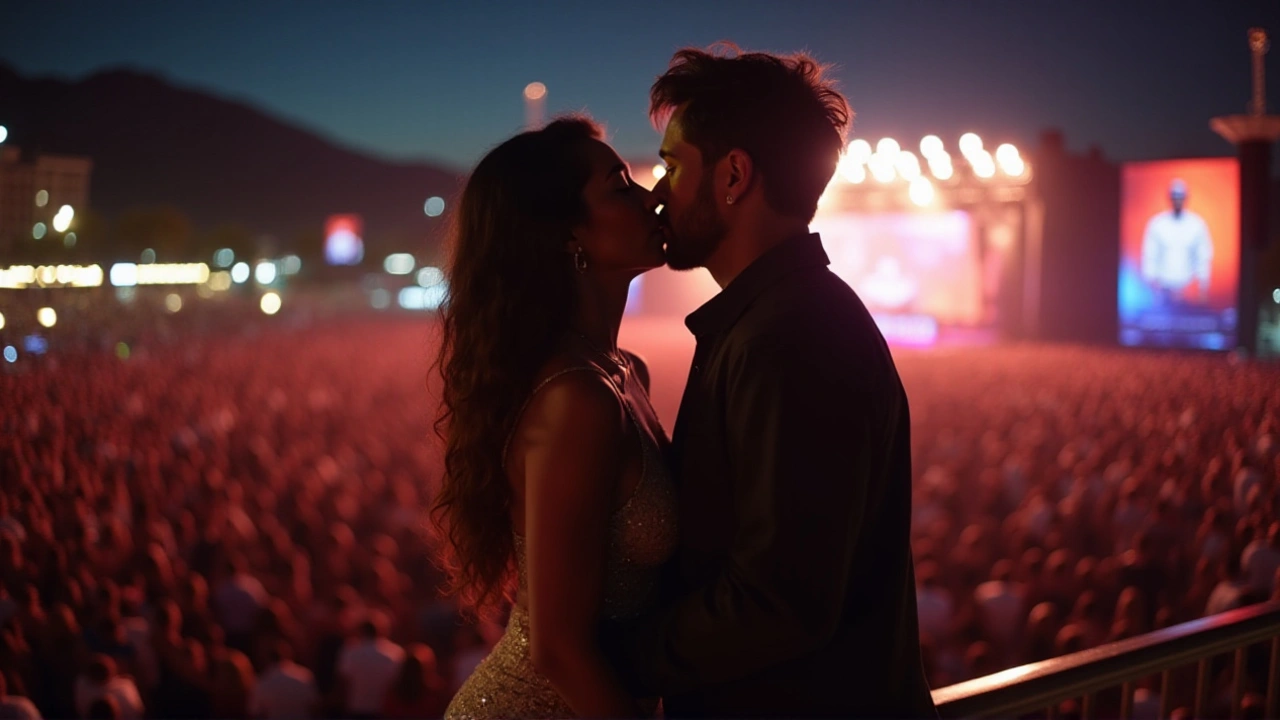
<point x="851" y="169"/>
<point x="881" y="168"/>
<point x="270" y="303"/>
<point x="47" y="317"/>
<point x="970" y="144"/>
<point x="240" y="273"/>
<point x="860" y="150"/>
<point x="921" y="191"/>
<point x="888" y="147"/>
<point x="983" y="165"/>
<point x="941" y="167"/>
<point x="931" y="145"/>
<point x="908" y="165"/>
<point x="1010" y="161"/>
<point x="265" y="273"/>
<point x="659" y="171"/>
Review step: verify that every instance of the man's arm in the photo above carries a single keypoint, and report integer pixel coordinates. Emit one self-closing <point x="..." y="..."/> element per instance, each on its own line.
<point x="802" y="436"/>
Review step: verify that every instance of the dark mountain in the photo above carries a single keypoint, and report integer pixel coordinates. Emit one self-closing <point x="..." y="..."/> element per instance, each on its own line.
<point x="218" y="160"/>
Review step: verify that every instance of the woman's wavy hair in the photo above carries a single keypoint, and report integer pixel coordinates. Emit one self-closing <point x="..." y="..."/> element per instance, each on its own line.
<point x="511" y="294"/>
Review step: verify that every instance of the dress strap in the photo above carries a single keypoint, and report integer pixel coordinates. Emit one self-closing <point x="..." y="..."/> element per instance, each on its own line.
<point x="506" y="446"/>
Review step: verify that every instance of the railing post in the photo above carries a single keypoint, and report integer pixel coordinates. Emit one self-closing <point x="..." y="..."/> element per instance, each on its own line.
<point x="1273" y="680"/>
<point x="1086" y="707"/>
<point x="1165" y="682"/>
<point x="1237" y="683"/>
<point x="1202" y="688"/>
<point x="1126" y="701"/>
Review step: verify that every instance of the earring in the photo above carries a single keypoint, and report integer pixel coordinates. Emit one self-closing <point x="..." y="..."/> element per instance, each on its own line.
<point x="729" y="200"/>
<point x="580" y="260"/>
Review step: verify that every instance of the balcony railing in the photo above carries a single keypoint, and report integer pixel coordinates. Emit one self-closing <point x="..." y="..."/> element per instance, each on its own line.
<point x="1040" y="688"/>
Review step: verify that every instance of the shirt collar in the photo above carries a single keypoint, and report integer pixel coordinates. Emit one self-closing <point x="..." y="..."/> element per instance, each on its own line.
<point x="720" y="312"/>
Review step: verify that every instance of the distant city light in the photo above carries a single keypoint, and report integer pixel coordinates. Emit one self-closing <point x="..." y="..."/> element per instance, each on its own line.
<point x="265" y="273"/>
<point x="129" y="274"/>
<point x="399" y="263"/>
<point x="292" y="264"/>
<point x="224" y="257"/>
<point x="69" y="240"/>
<point x="4" y="133"/>
<point x="42" y="198"/>
<point x="11" y="353"/>
<point x="47" y="317"/>
<point x="921" y="191"/>
<point x="889" y="148"/>
<point x="430" y="276"/>
<point x="1" y="321"/>
<point x="270" y="303"/>
<point x="535" y="91"/>
<point x="931" y="145"/>
<point x="39" y="230"/>
<point x="434" y="207"/>
<point x="220" y="280"/>
<point x="970" y="144"/>
<point x="422" y="298"/>
<point x="659" y="171"/>
<point x="124" y="275"/>
<point x="63" y="219"/>
<point x="240" y="273"/>
<point x="859" y="150"/>
<point x="173" y="302"/>
<point x="148" y="256"/>
<point x="1009" y="160"/>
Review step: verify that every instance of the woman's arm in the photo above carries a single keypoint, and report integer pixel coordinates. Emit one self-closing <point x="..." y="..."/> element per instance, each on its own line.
<point x="574" y="434"/>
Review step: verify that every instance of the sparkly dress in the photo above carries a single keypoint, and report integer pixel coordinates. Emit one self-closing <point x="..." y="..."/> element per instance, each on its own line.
<point x="642" y="537"/>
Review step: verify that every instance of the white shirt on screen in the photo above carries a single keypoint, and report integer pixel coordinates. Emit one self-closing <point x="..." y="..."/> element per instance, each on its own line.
<point x="369" y="667"/>
<point x="1176" y="249"/>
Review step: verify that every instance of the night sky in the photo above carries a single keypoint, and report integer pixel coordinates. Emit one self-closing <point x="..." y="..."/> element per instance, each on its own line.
<point x="430" y="80"/>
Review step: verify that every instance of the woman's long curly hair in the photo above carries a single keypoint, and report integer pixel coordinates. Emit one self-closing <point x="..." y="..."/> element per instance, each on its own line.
<point x="511" y="295"/>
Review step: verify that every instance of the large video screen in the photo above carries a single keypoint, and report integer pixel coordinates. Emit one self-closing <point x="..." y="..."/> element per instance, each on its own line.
<point x="343" y="244"/>
<point x="908" y="264"/>
<point x="1179" y="253"/>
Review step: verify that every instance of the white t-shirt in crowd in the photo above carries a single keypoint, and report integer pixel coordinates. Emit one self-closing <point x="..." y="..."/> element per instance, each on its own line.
<point x="369" y="667"/>
<point x="122" y="689"/>
<point x="286" y="690"/>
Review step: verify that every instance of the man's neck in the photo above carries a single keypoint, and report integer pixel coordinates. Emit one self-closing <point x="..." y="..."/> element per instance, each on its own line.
<point x="742" y="247"/>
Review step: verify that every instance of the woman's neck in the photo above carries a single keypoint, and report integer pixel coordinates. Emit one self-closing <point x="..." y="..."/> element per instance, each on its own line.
<point x="599" y="314"/>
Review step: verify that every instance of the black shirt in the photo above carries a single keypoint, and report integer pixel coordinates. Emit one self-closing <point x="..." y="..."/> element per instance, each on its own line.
<point x="792" y="591"/>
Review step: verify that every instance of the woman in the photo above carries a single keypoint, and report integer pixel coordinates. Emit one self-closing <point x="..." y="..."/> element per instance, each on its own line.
<point x="554" y="482"/>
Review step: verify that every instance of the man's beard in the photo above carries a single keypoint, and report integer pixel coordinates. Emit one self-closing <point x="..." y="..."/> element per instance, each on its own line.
<point x="697" y="233"/>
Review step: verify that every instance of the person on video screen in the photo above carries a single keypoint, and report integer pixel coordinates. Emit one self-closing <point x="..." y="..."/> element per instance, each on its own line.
<point x="1177" y="249"/>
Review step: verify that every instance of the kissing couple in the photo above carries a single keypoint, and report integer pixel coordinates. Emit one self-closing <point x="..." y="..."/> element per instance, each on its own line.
<point x="758" y="564"/>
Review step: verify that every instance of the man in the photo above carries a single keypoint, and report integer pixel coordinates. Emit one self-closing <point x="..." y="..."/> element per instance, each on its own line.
<point x="1176" y="249"/>
<point x="792" y="592"/>
<point x="286" y="691"/>
<point x="368" y="667"/>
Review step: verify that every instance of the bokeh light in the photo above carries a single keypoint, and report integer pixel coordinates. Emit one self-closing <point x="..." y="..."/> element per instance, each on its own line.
<point x="10" y="353"/>
<point x="399" y="263"/>
<point x="39" y="231"/>
<point x="47" y="316"/>
<point x="1" y="321"/>
<point x="921" y="191"/>
<point x="889" y="148"/>
<point x="931" y="145"/>
<point x="265" y="273"/>
<point x="4" y="133"/>
<point x="535" y="91"/>
<point x="122" y="350"/>
<point x="270" y="303"/>
<point x="240" y="273"/>
<point x="860" y="150"/>
<point x="148" y="256"/>
<point x="224" y="257"/>
<point x="970" y="144"/>
<point x="173" y="302"/>
<point x="42" y="198"/>
<point x="434" y="206"/>
<point x="659" y="171"/>
<point x="430" y="276"/>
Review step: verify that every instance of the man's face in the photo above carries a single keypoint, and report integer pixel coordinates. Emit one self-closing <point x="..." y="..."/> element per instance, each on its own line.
<point x="1178" y="200"/>
<point x="687" y="193"/>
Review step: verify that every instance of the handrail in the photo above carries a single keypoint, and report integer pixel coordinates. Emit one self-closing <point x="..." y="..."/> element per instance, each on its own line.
<point x="1037" y="686"/>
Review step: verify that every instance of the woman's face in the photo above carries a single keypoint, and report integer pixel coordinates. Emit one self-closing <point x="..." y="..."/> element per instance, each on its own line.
<point x="621" y="232"/>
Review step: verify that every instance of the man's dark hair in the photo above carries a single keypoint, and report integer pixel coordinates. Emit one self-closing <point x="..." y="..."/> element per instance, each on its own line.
<point x="778" y="109"/>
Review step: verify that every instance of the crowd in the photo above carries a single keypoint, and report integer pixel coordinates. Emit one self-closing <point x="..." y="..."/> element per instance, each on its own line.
<point x="230" y="521"/>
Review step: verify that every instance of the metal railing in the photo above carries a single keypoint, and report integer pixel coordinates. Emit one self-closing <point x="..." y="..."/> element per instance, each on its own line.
<point x="1041" y="687"/>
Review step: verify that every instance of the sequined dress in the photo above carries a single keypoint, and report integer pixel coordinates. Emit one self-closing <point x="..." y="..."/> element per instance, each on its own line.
<point x="642" y="537"/>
